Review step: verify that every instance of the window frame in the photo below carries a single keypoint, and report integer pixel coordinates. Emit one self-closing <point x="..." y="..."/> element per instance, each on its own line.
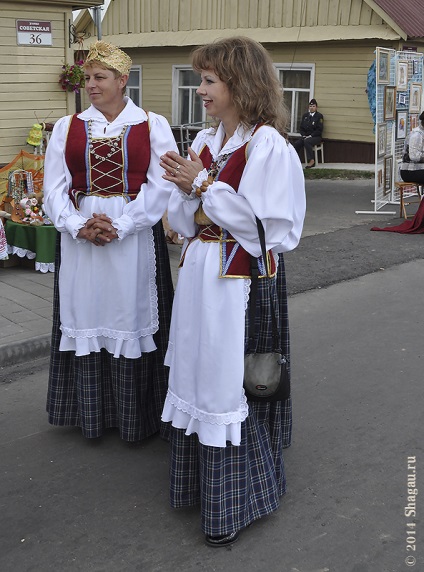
<point x="297" y="67"/>
<point x="139" y="68"/>
<point x="176" y="90"/>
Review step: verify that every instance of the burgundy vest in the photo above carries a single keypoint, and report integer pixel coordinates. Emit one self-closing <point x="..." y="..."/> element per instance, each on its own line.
<point x="234" y="259"/>
<point x="94" y="174"/>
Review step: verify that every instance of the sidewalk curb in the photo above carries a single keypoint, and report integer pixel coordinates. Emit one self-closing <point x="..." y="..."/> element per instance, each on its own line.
<point x="24" y="351"/>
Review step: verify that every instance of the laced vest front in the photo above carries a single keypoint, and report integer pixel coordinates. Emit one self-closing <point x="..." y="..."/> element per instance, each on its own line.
<point x="107" y="166"/>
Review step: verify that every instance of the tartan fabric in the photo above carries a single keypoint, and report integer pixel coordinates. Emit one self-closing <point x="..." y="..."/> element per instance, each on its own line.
<point x="98" y="391"/>
<point x="263" y="332"/>
<point x="234" y="485"/>
<point x="237" y="485"/>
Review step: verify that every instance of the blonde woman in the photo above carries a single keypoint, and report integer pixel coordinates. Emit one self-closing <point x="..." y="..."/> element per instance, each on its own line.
<point x="226" y="452"/>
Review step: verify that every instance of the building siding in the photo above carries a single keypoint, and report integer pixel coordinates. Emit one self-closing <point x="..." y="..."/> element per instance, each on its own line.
<point x="340" y="82"/>
<point x="29" y="88"/>
<point x="337" y="36"/>
<point x="144" y="16"/>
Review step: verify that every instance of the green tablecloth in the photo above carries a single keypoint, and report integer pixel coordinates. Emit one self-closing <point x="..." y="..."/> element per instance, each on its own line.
<point x="40" y="240"/>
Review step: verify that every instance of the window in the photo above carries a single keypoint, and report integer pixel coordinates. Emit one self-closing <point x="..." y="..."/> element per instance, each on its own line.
<point x="187" y="106"/>
<point x="134" y="85"/>
<point x="297" y="81"/>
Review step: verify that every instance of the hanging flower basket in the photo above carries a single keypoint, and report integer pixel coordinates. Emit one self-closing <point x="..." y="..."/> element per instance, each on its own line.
<point x="72" y="77"/>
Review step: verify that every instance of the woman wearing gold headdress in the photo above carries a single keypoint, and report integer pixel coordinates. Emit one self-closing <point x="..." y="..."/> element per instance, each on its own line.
<point x="105" y="194"/>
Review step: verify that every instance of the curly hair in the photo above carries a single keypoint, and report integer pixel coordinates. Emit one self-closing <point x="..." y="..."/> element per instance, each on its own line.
<point x="247" y="69"/>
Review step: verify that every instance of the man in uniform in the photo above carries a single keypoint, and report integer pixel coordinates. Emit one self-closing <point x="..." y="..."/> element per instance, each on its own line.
<point x="311" y="128"/>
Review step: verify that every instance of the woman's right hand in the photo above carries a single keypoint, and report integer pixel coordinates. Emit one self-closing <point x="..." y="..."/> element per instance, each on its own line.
<point x="180" y="171"/>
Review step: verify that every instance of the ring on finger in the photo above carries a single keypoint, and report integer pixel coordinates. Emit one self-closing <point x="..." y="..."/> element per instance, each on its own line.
<point x="178" y="167"/>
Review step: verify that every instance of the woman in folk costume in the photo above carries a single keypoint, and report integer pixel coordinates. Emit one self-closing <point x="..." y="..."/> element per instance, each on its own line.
<point x="104" y="192"/>
<point x="226" y="452"/>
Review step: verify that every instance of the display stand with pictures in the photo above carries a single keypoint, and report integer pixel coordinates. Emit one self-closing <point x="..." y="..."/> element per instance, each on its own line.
<point x="399" y="89"/>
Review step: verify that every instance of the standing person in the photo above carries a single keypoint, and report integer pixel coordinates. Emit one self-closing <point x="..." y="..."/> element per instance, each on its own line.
<point x="104" y="192"/>
<point x="226" y="453"/>
<point x="311" y="127"/>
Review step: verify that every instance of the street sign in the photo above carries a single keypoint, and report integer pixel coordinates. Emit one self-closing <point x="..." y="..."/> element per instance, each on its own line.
<point x="34" y="33"/>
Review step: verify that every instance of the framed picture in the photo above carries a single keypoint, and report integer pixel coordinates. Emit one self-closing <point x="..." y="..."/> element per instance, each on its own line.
<point x="401" y="97"/>
<point x="388" y="174"/>
<point x="413" y="120"/>
<point x="381" y="139"/>
<point x="415" y="67"/>
<point x="401" y="122"/>
<point x="402" y="75"/>
<point x="380" y="178"/>
<point x="389" y="102"/>
<point x="414" y="98"/>
<point x="383" y="65"/>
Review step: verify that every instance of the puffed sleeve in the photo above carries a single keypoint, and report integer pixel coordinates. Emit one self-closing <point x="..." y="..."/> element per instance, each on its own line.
<point x="272" y="188"/>
<point x="57" y="181"/>
<point x="152" y="200"/>
<point x="416" y="151"/>
<point x="181" y="207"/>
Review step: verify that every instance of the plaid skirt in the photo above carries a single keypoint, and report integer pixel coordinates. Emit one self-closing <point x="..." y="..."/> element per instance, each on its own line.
<point x="98" y="391"/>
<point x="277" y="288"/>
<point x="237" y="485"/>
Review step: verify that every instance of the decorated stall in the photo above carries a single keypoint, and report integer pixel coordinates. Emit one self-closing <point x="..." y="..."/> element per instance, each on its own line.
<point x="26" y="231"/>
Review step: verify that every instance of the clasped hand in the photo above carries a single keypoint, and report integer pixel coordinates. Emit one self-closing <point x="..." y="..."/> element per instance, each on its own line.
<point x="98" y="230"/>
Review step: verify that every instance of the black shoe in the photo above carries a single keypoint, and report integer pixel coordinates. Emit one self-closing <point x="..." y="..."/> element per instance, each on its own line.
<point x="310" y="164"/>
<point x="224" y="540"/>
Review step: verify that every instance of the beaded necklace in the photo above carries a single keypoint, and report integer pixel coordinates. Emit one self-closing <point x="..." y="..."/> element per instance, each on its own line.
<point x="217" y="165"/>
<point x="113" y="143"/>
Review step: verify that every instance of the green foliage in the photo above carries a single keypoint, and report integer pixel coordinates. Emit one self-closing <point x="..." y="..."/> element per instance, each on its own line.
<point x="317" y="173"/>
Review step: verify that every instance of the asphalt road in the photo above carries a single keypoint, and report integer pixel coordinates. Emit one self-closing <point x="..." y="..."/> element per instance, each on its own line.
<point x="356" y="463"/>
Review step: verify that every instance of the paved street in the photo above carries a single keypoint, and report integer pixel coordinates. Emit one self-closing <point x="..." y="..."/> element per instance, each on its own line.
<point x="341" y="248"/>
<point x="68" y="504"/>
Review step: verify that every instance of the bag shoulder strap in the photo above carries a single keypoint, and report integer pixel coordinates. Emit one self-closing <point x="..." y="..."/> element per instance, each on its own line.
<point x="254" y="294"/>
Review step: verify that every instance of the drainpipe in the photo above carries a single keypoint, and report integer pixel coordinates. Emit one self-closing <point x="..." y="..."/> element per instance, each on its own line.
<point x="97" y="17"/>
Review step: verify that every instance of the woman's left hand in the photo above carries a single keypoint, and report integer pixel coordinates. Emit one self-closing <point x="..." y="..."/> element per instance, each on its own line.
<point x="98" y="230"/>
<point x="180" y="171"/>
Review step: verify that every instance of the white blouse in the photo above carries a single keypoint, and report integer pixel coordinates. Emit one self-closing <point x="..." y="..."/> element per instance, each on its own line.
<point x="108" y="296"/>
<point x="206" y="347"/>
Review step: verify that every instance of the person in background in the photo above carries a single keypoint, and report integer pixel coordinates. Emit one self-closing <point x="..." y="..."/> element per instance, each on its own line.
<point x="226" y="452"/>
<point x="412" y="166"/>
<point x="104" y="192"/>
<point x="311" y="127"/>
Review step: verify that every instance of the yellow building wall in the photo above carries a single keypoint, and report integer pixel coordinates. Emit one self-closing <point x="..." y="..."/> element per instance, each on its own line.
<point x="341" y="70"/>
<point x="29" y="88"/>
<point x="145" y="16"/>
<point x="340" y="81"/>
<point x="332" y="34"/>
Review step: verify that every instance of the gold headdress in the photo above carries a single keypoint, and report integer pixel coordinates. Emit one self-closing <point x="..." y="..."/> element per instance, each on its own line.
<point x="111" y="56"/>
